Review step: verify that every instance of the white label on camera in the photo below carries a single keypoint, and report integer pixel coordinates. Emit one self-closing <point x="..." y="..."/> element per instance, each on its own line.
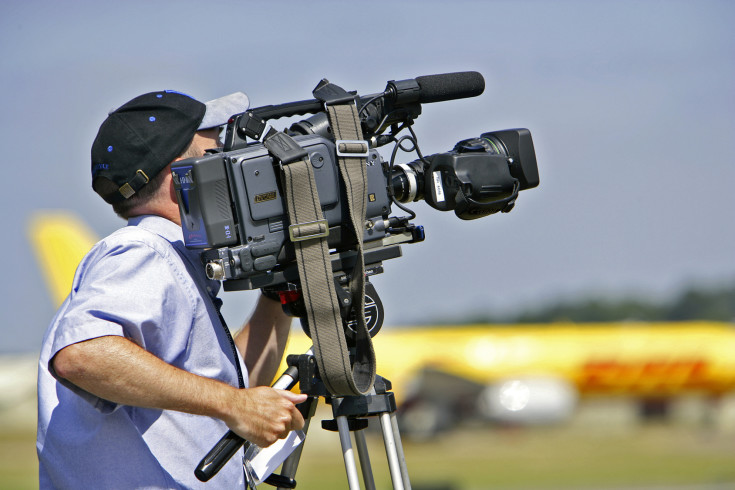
<point x="438" y="188"/>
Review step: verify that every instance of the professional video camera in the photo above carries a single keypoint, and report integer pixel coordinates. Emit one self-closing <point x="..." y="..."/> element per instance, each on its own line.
<point x="232" y="201"/>
<point x="306" y="215"/>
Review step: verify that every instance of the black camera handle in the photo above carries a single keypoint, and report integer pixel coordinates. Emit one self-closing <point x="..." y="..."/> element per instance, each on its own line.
<point x="252" y="124"/>
<point x="230" y="443"/>
<point x="401" y="100"/>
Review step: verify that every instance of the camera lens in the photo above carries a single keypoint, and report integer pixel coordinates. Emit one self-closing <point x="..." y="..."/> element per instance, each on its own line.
<point x="407" y="182"/>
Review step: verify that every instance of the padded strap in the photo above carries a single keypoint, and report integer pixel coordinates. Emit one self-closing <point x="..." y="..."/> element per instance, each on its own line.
<point x="352" y="152"/>
<point x="308" y="231"/>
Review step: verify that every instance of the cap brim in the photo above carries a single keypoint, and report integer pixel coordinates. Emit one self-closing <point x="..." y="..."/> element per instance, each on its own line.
<point x="220" y="110"/>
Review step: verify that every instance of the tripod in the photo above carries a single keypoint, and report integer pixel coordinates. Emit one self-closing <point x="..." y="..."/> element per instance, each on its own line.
<point x="350" y="415"/>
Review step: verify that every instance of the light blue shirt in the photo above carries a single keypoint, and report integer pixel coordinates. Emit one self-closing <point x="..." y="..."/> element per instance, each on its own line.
<point x="141" y="283"/>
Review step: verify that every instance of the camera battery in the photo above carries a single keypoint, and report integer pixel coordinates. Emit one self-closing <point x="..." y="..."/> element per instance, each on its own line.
<point x="204" y="202"/>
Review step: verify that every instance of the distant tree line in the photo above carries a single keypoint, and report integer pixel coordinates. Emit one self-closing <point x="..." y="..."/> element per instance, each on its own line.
<point x="715" y="303"/>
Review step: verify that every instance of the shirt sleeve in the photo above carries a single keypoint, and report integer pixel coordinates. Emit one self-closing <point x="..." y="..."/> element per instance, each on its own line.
<point x="129" y="290"/>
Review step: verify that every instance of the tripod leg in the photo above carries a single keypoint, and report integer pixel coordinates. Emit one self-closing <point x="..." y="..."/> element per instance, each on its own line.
<point x="362" y="452"/>
<point x="399" y="451"/>
<point x="391" y="452"/>
<point x="347" y="453"/>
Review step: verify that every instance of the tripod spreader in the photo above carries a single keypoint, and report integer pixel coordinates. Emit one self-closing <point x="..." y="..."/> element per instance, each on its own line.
<point x="355" y="408"/>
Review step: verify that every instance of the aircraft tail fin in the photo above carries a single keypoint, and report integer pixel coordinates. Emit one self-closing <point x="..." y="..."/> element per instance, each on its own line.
<point x="59" y="240"/>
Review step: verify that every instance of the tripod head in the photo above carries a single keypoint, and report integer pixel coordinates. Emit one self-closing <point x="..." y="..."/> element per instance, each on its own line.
<point x="292" y="302"/>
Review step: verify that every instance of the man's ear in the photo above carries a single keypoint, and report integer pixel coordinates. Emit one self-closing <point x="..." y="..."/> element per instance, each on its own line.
<point x="172" y="192"/>
<point x="171" y="188"/>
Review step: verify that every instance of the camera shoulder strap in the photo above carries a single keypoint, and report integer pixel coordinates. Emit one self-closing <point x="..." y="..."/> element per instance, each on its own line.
<point x="308" y="232"/>
<point x="352" y="154"/>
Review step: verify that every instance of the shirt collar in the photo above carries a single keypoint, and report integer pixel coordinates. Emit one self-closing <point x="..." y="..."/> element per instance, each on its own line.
<point x="160" y="226"/>
<point x="174" y="234"/>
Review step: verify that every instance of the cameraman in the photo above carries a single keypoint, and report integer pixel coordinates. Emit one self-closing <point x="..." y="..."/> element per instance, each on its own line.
<point x="138" y="374"/>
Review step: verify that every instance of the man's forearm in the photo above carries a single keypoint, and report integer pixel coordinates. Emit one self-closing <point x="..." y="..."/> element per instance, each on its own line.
<point x="118" y="370"/>
<point x="262" y="341"/>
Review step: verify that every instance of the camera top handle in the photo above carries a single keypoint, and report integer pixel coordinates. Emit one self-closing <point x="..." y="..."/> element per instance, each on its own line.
<point x="251" y="123"/>
<point x="399" y="102"/>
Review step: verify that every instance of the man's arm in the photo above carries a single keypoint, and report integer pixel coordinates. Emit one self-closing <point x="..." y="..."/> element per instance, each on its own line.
<point x="118" y="370"/>
<point x="262" y="341"/>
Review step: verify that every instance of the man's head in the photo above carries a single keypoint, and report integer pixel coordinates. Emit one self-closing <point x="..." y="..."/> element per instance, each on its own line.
<point x="141" y="138"/>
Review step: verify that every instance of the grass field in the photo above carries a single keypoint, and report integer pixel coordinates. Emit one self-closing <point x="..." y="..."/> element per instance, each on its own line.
<point x="551" y="458"/>
<point x="604" y="457"/>
<point x="18" y="463"/>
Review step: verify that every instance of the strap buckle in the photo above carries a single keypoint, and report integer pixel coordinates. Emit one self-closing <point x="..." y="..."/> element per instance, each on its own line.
<point x="306" y="231"/>
<point x="283" y="147"/>
<point x="352" y="148"/>
<point x="131" y="187"/>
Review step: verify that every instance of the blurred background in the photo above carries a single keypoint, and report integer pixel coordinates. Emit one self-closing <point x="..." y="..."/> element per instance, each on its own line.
<point x="625" y="250"/>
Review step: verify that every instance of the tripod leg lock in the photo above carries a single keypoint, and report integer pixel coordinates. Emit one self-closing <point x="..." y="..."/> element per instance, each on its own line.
<point x="353" y="424"/>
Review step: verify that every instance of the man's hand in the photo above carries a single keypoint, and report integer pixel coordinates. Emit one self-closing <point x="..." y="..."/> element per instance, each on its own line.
<point x="263" y="415"/>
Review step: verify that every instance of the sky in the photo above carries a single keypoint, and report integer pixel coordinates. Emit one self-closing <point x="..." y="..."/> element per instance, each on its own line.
<point x="631" y="105"/>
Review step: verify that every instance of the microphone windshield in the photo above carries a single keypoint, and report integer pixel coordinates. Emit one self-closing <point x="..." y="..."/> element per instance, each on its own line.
<point x="449" y="86"/>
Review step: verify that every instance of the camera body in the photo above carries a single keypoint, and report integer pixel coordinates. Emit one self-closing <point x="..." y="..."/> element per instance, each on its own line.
<point x="232" y="205"/>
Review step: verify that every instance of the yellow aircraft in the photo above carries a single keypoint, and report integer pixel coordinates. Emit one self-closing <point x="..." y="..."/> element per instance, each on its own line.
<point x="59" y="240"/>
<point x="536" y="374"/>
<point x="506" y="374"/>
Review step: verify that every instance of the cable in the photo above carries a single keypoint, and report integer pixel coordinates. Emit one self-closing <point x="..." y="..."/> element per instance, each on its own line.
<point x="398" y="145"/>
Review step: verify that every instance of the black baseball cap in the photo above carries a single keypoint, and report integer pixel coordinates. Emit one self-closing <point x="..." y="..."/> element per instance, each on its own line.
<point x="144" y="135"/>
